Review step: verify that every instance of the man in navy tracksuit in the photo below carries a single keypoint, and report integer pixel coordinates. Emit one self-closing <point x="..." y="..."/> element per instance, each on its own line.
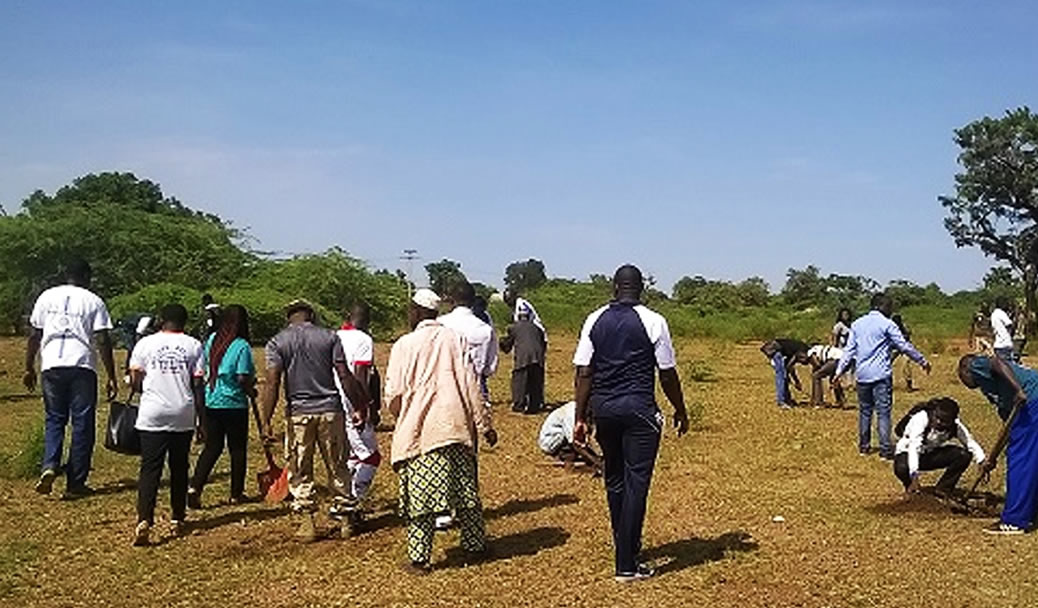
<point x="621" y="346"/>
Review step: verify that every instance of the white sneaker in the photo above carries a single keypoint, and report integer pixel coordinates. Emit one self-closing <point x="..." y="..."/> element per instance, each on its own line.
<point x="142" y="534"/>
<point x="444" y="522"/>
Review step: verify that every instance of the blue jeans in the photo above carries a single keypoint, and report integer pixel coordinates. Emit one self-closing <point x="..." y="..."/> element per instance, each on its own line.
<point x="1006" y="354"/>
<point x="781" y="383"/>
<point x="629" y="433"/>
<point x="877" y="396"/>
<point x="70" y="392"/>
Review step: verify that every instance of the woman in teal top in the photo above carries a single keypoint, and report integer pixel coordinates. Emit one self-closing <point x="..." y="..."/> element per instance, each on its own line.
<point x="230" y="382"/>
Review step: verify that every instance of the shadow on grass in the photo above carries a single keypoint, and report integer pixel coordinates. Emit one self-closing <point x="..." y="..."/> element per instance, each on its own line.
<point x="983" y="505"/>
<point x="19" y="397"/>
<point x="520" y="544"/>
<point x="517" y="506"/>
<point x="234" y="517"/>
<point x="388" y="519"/>
<point x="682" y="554"/>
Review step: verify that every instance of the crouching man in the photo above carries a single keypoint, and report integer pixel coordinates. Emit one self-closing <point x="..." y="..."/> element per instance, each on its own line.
<point x="925" y="432"/>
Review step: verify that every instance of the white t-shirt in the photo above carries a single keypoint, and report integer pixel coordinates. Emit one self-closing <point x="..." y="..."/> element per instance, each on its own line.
<point x="69" y="316"/>
<point x="170" y="361"/>
<point x="825" y="352"/>
<point x="1000" y="323"/>
<point x="655" y="326"/>
<point x="358" y="348"/>
<point x="480" y="338"/>
<point x="557" y="429"/>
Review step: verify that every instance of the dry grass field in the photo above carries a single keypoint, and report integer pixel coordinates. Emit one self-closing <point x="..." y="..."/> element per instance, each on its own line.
<point x="848" y="538"/>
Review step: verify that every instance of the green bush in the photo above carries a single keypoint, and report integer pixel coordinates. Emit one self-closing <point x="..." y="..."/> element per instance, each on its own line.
<point x="24" y="461"/>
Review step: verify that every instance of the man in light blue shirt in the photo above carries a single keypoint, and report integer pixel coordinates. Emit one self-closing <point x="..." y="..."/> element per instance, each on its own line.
<point x="873" y="336"/>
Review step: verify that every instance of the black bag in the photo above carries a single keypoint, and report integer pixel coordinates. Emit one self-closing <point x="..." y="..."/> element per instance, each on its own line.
<point x="121" y="433"/>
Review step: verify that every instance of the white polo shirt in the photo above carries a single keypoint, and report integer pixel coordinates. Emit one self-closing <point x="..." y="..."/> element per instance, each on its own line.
<point x="69" y="316"/>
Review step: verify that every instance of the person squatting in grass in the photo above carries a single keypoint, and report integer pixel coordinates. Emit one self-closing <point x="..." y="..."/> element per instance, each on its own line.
<point x="621" y="346"/>
<point x="358" y="347"/>
<point x="167" y="370"/>
<point x="66" y="320"/>
<point x="230" y="383"/>
<point x="433" y="390"/>
<point x="823" y="361"/>
<point x="556" y="439"/>
<point x="784" y="354"/>
<point x="308" y="357"/>
<point x="923" y="445"/>
<point x="1013" y="390"/>
<point x="874" y="338"/>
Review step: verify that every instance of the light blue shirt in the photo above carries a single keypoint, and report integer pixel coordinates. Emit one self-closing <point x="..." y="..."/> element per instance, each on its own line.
<point x="872" y="338"/>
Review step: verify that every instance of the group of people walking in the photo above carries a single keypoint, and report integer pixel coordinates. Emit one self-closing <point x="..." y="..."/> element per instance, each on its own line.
<point x="435" y="387"/>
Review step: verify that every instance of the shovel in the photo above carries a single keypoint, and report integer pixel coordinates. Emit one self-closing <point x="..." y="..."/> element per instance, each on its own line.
<point x="273" y="483"/>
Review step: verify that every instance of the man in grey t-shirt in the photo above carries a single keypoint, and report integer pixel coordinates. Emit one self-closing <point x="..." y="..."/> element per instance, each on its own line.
<point x="308" y="356"/>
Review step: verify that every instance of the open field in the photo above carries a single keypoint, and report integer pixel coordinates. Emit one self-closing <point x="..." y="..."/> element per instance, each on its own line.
<point x="848" y="538"/>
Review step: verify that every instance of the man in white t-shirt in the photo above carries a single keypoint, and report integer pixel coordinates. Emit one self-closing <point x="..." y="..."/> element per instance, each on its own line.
<point x="480" y="338"/>
<point x="1002" y="328"/>
<point x="168" y="371"/>
<point x="364" y="456"/>
<point x="65" y="321"/>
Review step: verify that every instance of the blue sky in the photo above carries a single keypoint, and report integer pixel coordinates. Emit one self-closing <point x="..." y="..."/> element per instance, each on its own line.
<point x="726" y="139"/>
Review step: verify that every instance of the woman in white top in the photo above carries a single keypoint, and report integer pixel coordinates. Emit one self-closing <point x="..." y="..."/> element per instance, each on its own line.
<point x="842" y="328"/>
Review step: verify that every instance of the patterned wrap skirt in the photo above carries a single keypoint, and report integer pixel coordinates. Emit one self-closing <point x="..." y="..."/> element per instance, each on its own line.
<point x="443" y="480"/>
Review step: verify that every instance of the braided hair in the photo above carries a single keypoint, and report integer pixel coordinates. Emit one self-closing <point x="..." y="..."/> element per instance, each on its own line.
<point x="233" y="323"/>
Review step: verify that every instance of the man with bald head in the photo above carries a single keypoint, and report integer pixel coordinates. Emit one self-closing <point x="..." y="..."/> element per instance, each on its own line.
<point x="621" y="346"/>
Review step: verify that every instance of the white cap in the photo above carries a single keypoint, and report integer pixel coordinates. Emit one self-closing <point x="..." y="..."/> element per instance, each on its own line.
<point x="426" y="298"/>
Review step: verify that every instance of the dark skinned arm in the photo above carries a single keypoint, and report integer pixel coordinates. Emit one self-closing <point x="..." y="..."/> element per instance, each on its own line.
<point x="672" y="389"/>
<point x="108" y="360"/>
<point x="270" y="399"/>
<point x="791" y="372"/>
<point x="582" y="392"/>
<point x="198" y="388"/>
<point x="32" y="348"/>
<point x="1000" y="369"/>
<point x="357" y="394"/>
<point x="137" y="380"/>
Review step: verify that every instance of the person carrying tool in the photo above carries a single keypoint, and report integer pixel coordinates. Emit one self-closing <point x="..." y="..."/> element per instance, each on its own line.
<point x="923" y="445"/>
<point x="308" y="356"/>
<point x="230" y="382"/>
<point x="1013" y="390"/>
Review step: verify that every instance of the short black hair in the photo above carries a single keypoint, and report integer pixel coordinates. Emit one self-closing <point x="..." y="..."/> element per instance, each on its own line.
<point x="175" y="314"/>
<point x="947" y="406"/>
<point x="628" y="276"/>
<point x="463" y="293"/>
<point x="879" y="300"/>
<point x="207" y="298"/>
<point x="1003" y="302"/>
<point x="77" y="269"/>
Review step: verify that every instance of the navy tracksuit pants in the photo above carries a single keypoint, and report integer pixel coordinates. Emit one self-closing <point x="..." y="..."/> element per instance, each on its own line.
<point x="629" y="432"/>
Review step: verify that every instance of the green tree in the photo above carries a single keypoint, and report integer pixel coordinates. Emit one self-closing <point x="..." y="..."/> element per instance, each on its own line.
<point x="804" y="288"/>
<point x="443" y="275"/>
<point x="754" y="291"/>
<point x="523" y="276"/>
<point x="995" y="205"/>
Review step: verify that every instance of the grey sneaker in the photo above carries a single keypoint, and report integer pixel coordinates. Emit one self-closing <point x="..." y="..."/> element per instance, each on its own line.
<point x="46" y="482"/>
<point x="640" y="573"/>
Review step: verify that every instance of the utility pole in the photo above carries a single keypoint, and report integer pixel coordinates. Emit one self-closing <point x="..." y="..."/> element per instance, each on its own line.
<point x="410" y="255"/>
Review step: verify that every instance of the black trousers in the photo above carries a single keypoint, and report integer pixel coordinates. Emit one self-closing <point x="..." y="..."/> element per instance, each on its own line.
<point x="156" y="446"/>
<point x="952" y="458"/>
<point x="630" y="438"/>
<point x="230" y="426"/>
<point x="528" y="388"/>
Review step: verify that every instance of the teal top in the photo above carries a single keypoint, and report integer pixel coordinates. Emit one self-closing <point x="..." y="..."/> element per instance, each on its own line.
<point x="1001" y="394"/>
<point x="226" y="393"/>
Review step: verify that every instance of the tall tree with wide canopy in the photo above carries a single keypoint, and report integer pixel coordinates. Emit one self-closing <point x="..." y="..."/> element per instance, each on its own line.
<point x="995" y="205"/>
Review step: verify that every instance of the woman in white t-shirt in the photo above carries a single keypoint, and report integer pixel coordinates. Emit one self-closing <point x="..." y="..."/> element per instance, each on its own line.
<point x="167" y="370"/>
<point x="842" y="328"/>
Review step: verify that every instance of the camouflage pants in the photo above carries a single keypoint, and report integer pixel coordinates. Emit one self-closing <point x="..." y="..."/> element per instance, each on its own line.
<point x="308" y="434"/>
